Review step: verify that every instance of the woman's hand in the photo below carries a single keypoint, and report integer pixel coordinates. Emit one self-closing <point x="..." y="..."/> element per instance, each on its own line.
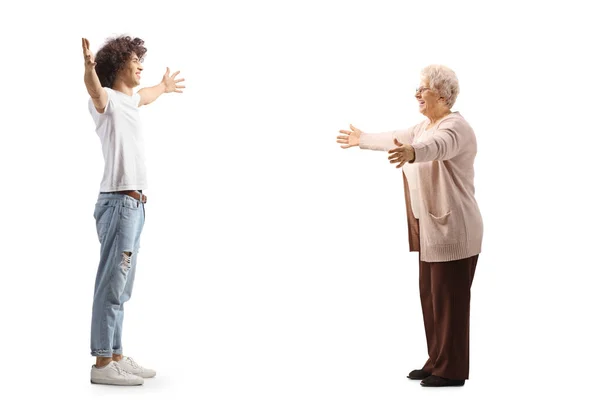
<point x="401" y="154"/>
<point x="349" y="138"/>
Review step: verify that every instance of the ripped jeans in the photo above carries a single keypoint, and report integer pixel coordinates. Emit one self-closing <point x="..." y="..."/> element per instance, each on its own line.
<point x="119" y="222"/>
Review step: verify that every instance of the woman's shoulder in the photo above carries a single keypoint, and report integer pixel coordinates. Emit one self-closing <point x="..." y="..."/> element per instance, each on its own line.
<point x="454" y="121"/>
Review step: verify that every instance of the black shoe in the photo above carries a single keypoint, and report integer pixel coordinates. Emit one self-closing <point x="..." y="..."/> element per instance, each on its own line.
<point x="418" y="374"/>
<point x="438" y="381"/>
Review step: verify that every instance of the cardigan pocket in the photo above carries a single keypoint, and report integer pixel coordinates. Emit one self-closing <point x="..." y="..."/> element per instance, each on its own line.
<point x="442" y="229"/>
<point x="443" y="219"/>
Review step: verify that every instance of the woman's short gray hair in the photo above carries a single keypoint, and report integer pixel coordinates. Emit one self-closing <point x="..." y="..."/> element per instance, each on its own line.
<point x="443" y="80"/>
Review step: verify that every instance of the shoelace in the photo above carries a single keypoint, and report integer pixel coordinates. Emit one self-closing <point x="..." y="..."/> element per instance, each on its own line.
<point x="133" y="363"/>
<point x="119" y="370"/>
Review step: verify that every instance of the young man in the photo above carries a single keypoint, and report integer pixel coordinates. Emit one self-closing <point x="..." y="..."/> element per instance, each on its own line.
<point x="110" y="78"/>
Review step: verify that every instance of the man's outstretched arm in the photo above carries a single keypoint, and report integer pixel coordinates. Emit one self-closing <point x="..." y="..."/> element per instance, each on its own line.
<point x="168" y="85"/>
<point x="92" y="83"/>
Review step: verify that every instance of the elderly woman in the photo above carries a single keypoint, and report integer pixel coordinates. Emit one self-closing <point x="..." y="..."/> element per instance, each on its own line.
<point x="444" y="222"/>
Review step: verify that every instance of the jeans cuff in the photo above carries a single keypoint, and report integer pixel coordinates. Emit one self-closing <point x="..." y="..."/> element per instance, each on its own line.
<point x="102" y="353"/>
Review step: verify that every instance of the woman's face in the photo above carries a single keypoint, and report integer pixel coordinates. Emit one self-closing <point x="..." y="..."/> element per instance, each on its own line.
<point x="427" y="98"/>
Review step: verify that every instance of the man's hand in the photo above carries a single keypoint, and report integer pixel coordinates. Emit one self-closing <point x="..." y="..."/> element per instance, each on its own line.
<point x="402" y="154"/>
<point x="90" y="61"/>
<point x="349" y="138"/>
<point x="171" y="84"/>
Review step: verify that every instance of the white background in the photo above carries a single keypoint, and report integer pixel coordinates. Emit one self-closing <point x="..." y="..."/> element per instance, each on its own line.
<point x="275" y="265"/>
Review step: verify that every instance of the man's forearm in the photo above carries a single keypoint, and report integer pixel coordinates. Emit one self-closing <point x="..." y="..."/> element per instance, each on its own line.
<point x="92" y="83"/>
<point x="149" y="94"/>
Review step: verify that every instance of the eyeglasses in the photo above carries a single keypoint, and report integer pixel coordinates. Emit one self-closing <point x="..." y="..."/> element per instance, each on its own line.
<point x="421" y="89"/>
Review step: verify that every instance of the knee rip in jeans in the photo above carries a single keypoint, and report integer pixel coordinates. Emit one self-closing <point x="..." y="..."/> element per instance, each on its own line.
<point x="126" y="261"/>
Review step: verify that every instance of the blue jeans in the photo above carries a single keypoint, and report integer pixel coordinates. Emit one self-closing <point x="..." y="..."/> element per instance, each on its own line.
<point x="119" y="222"/>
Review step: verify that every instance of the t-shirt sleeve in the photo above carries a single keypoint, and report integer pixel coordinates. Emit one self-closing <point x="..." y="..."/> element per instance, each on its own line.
<point x="109" y="105"/>
<point x="137" y="98"/>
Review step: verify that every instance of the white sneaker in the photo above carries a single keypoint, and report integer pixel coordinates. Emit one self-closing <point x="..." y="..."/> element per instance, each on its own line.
<point x="134" y="368"/>
<point x="113" y="374"/>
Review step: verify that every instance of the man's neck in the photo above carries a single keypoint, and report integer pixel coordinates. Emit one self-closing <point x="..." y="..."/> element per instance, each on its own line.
<point x="120" y="86"/>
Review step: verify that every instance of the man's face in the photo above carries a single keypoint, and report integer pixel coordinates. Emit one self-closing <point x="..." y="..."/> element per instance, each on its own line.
<point x="131" y="72"/>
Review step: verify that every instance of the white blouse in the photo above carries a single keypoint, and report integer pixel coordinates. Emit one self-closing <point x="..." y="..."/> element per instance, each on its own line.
<point x="411" y="171"/>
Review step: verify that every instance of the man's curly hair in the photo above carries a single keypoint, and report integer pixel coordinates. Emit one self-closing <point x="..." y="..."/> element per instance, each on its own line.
<point x="113" y="56"/>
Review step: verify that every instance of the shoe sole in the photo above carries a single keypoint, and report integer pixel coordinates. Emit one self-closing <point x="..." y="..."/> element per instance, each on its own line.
<point x="456" y="385"/>
<point x="418" y="379"/>
<point x="115" y="384"/>
<point x="144" y="377"/>
<point x="428" y="386"/>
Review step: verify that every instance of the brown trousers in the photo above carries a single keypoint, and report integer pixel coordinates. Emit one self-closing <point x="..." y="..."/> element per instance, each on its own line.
<point x="445" y="289"/>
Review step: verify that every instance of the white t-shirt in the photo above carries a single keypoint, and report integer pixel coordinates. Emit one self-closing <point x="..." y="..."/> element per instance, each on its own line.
<point x="120" y="134"/>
